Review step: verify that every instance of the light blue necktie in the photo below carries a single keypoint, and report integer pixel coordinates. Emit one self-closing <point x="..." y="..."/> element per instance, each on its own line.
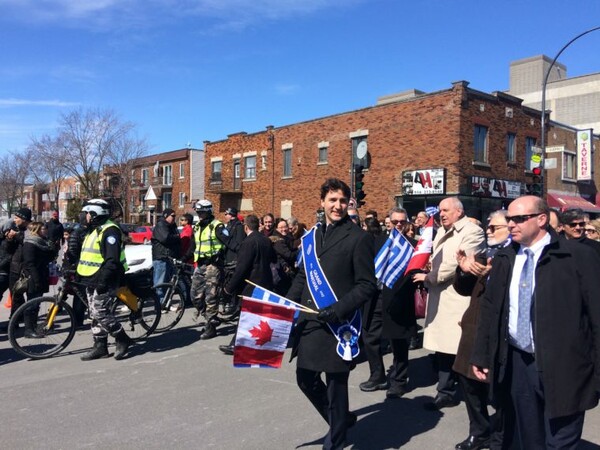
<point x="523" y="338"/>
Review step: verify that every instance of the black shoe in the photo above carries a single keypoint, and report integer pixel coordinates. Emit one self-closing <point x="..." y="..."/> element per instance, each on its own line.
<point x="209" y="332"/>
<point x="4" y="327"/>
<point x="123" y="342"/>
<point x="440" y="402"/>
<point x="32" y="334"/>
<point x="371" y="386"/>
<point x="474" y="443"/>
<point x="99" y="350"/>
<point x="351" y="419"/>
<point x="413" y="343"/>
<point x="227" y="349"/>
<point x="396" y="392"/>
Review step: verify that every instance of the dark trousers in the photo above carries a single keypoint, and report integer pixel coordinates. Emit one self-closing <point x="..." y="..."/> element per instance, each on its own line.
<point x="399" y="372"/>
<point x="372" y="342"/>
<point x="446" y="376"/>
<point x="475" y="394"/>
<point x="534" y="429"/>
<point x="330" y="400"/>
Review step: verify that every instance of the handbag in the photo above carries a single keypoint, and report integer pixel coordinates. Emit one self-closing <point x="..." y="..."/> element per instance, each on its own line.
<point x="21" y="285"/>
<point x="420" y="301"/>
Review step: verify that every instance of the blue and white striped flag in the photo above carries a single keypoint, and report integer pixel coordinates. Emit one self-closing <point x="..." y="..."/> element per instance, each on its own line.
<point x="432" y="210"/>
<point x="261" y="293"/>
<point x="393" y="258"/>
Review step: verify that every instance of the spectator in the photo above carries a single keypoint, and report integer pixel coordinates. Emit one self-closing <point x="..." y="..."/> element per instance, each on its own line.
<point x="22" y="218"/>
<point x="186" y="235"/>
<point x="286" y="256"/>
<point x="592" y="230"/>
<point x="55" y="231"/>
<point x="231" y="235"/>
<point x="268" y="222"/>
<point x="166" y="244"/>
<point x="573" y="221"/>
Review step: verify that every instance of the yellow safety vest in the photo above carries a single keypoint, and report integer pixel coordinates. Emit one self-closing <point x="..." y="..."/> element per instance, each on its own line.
<point x="91" y="259"/>
<point x="207" y="244"/>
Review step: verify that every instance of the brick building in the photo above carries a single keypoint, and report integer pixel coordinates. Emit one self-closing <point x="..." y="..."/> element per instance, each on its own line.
<point x="417" y="148"/>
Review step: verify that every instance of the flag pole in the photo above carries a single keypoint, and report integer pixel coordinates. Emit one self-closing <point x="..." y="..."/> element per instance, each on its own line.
<point x="302" y="307"/>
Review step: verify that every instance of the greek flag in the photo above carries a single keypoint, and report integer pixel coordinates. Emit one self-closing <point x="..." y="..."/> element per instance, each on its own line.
<point x="393" y="258"/>
<point x="261" y="293"/>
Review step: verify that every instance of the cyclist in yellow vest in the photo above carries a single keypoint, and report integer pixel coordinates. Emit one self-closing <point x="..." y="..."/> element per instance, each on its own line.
<point x="101" y="265"/>
<point x="208" y="256"/>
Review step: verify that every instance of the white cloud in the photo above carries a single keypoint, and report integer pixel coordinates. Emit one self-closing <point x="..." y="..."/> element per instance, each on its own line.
<point x="10" y="102"/>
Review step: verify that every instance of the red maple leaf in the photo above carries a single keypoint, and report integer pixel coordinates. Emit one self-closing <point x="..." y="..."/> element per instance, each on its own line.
<point x="262" y="333"/>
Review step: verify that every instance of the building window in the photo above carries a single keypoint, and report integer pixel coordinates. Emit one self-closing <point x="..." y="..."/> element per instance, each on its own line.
<point x="323" y="154"/>
<point x="529" y="144"/>
<point x="181" y="199"/>
<point x="480" y="140"/>
<point x="167" y="200"/>
<point x="287" y="162"/>
<point x="168" y="175"/>
<point x="215" y="174"/>
<point x="511" y="139"/>
<point x="144" y="177"/>
<point x="250" y="167"/>
<point x="569" y="166"/>
<point x="181" y="170"/>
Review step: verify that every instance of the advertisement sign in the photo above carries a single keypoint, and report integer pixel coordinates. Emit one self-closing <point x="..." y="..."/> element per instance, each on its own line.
<point x="584" y="155"/>
<point x="423" y="182"/>
<point x="495" y="188"/>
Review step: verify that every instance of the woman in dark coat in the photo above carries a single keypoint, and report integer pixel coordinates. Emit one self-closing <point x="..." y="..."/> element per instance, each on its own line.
<point x="286" y="256"/>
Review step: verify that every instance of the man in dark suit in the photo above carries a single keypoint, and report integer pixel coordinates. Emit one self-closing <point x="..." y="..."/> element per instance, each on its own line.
<point x="253" y="263"/>
<point x="539" y="331"/>
<point x="573" y="223"/>
<point x="345" y="254"/>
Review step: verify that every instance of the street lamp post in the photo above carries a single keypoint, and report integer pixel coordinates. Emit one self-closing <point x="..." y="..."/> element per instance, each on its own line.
<point x="543" y="121"/>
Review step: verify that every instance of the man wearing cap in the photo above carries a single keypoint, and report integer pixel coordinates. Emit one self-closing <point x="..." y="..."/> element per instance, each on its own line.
<point x="208" y="253"/>
<point x="231" y="235"/>
<point x="56" y="231"/>
<point x="166" y="244"/>
<point x="22" y="218"/>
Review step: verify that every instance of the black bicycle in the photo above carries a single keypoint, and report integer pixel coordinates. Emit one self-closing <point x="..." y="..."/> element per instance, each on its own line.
<point x="176" y="295"/>
<point x="136" y="306"/>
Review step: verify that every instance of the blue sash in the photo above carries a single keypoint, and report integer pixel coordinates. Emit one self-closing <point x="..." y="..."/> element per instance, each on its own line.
<point x="346" y="333"/>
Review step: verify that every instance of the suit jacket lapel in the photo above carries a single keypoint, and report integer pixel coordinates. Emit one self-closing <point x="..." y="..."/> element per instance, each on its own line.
<point x="337" y="234"/>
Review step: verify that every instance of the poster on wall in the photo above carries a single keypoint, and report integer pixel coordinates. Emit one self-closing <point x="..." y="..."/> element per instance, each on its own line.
<point x="584" y="155"/>
<point x="423" y="182"/>
<point x="493" y="187"/>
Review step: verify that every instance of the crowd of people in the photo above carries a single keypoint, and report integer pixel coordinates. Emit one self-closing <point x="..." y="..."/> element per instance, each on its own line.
<point x="510" y="321"/>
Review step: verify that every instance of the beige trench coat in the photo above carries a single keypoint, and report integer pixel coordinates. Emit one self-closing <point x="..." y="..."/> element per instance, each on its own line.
<point x="445" y="307"/>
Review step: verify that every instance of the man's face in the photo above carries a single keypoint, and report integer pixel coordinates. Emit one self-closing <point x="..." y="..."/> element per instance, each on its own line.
<point x="335" y="205"/>
<point x="526" y="224"/>
<point x="268" y="223"/>
<point x="574" y="229"/>
<point x="449" y="213"/>
<point x="353" y="214"/>
<point x="388" y="224"/>
<point x="497" y="230"/>
<point x="170" y="218"/>
<point x="19" y="222"/>
<point x="421" y="220"/>
<point x="227" y="218"/>
<point x="399" y="221"/>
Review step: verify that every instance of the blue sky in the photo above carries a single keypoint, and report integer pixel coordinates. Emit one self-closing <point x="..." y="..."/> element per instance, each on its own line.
<point x="186" y="71"/>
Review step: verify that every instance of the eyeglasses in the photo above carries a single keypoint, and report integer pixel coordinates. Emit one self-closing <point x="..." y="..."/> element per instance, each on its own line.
<point x="590" y="230"/>
<point x="401" y="222"/>
<point x="576" y="224"/>
<point x="522" y="218"/>
<point x="172" y="215"/>
<point x="493" y="228"/>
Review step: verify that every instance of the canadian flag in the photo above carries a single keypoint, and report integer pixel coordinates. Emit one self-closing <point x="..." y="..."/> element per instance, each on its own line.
<point x="263" y="333"/>
<point x="420" y="256"/>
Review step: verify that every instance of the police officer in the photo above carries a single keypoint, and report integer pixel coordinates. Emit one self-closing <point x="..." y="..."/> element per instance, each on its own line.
<point x="232" y="235"/>
<point x="101" y="265"/>
<point x="206" y="280"/>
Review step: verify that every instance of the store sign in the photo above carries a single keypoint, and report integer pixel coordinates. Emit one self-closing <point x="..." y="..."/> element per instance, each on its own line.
<point x="423" y="182"/>
<point x="495" y="188"/>
<point x="584" y="155"/>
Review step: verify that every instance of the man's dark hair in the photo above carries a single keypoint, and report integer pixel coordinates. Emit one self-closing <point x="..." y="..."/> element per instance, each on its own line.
<point x="371" y="212"/>
<point x="252" y="222"/>
<point x="372" y="226"/>
<point x="189" y="218"/>
<point x="335" y="184"/>
<point x="570" y="215"/>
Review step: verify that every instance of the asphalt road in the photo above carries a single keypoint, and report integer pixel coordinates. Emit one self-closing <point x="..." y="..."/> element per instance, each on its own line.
<point x="178" y="392"/>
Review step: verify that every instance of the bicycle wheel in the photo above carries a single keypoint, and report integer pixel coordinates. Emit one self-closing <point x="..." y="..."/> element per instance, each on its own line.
<point x="53" y="326"/>
<point x="141" y="323"/>
<point x="173" y="306"/>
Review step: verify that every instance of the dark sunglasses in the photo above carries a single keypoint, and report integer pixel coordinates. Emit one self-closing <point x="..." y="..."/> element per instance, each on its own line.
<point x="576" y="224"/>
<point x="353" y="216"/>
<point x="493" y="228"/>
<point x="401" y="222"/>
<point x="522" y="218"/>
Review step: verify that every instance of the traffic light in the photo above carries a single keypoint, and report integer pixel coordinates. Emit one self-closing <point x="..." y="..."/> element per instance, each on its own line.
<point x="359" y="184"/>
<point x="536" y="187"/>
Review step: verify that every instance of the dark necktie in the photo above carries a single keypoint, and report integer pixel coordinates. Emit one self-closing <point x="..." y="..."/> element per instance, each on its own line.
<point x="523" y="338"/>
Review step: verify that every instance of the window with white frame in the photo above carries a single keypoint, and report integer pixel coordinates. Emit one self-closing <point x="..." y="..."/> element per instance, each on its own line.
<point x="529" y="144"/>
<point x="167" y="200"/>
<point x="181" y="199"/>
<point x="569" y="166"/>
<point x="145" y="177"/>
<point x="322" y="157"/>
<point x="287" y="162"/>
<point x="181" y="170"/>
<point x="480" y="140"/>
<point x="216" y="168"/>
<point x="168" y="175"/>
<point x="250" y="167"/>
<point x="511" y="140"/>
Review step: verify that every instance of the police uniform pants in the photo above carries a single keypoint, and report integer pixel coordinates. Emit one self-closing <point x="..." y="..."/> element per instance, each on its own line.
<point x="205" y="289"/>
<point x="103" y="322"/>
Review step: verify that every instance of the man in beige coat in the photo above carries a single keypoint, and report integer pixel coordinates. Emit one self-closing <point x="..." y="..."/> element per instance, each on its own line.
<point x="445" y="307"/>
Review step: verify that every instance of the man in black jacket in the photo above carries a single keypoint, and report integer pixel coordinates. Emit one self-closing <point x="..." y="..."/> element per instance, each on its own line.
<point x="538" y="336"/>
<point x="56" y="231"/>
<point x="165" y="243"/>
<point x="22" y="218"/>
<point x="231" y="235"/>
<point x="254" y="264"/>
<point x="345" y="253"/>
<point x="573" y="225"/>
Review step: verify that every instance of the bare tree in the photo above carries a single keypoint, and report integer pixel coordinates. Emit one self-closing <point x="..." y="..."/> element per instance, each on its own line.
<point x="14" y="173"/>
<point x="50" y="156"/>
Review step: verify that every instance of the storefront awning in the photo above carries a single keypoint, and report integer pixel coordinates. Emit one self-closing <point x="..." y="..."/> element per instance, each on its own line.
<point x="564" y="202"/>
